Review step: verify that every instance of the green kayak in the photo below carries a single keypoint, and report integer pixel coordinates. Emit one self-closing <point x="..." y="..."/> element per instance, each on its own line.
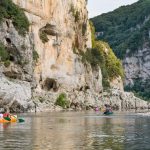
<point x="108" y="113"/>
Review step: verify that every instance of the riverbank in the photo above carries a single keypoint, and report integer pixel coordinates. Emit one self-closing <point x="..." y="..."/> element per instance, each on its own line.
<point x="20" y="98"/>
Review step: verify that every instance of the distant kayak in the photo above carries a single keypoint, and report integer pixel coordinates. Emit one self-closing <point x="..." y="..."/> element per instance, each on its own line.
<point x="108" y="113"/>
<point x="11" y="118"/>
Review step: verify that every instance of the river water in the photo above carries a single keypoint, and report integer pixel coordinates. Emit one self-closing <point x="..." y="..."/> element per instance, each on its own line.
<point x="77" y="131"/>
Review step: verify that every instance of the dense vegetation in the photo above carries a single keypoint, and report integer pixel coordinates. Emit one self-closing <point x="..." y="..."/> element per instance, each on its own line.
<point x="4" y="55"/>
<point x="102" y="55"/>
<point x="11" y="11"/>
<point x="140" y="88"/>
<point x="43" y="36"/>
<point x="62" y="101"/>
<point x="125" y="28"/>
<point x="35" y="56"/>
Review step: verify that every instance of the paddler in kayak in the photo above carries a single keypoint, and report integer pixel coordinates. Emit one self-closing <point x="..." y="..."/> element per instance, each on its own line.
<point x="7" y="116"/>
<point x="108" y="109"/>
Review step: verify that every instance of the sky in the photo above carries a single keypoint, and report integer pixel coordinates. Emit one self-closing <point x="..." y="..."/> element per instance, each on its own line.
<point x="97" y="7"/>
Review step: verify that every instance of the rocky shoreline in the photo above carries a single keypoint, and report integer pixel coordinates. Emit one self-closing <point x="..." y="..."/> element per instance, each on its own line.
<point x="78" y="100"/>
<point x="20" y="98"/>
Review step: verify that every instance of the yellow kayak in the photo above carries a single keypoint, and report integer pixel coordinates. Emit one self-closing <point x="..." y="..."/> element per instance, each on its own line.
<point x="12" y="119"/>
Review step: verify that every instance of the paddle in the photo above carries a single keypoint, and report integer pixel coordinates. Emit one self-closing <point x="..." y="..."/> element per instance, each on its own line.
<point x="20" y="120"/>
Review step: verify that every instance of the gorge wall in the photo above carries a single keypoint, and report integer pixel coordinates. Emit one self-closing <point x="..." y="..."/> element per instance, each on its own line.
<point x="47" y="60"/>
<point x="66" y="27"/>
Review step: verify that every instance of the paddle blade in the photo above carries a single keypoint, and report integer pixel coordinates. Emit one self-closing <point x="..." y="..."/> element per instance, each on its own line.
<point x="21" y="120"/>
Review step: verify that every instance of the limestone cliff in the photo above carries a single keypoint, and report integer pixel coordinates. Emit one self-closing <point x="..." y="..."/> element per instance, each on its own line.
<point x="65" y="26"/>
<point x="16" y="70"/>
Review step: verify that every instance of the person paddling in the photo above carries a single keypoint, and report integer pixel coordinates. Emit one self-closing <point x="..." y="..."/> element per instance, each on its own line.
<point x="107" y="109"/>
<point x="7" y="116"/>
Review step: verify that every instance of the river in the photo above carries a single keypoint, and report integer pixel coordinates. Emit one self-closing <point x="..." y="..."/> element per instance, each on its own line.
<point x="77" y="131"/>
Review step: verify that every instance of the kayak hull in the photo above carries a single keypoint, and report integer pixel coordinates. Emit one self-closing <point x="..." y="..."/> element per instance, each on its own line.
<point x="108" y="113"/>
<point x="12" y="119"/>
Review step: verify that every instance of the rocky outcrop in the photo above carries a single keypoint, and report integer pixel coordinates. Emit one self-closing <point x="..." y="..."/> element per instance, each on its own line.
<point x="16" y="73"/>
<point x="20" y="52"/>
<point x="121" y="100"/>
<point x="137" y="66"/>
<point x="117" y="84"/>
<point x="15" y="95"/>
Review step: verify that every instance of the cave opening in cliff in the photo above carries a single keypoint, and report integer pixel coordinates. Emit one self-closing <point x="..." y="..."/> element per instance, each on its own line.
<point x="11" y="58"/>
<point x="50" y="84"/>
<point x="87" y="87"/>
<point x="8" y="40"/>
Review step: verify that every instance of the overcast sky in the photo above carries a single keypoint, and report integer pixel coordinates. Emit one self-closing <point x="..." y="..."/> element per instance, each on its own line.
<point x="97" y="7"/>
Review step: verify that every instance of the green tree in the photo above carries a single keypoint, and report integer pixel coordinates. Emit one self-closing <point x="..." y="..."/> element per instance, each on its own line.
<point x="11" y="11"/>
<point x="126" y="28"/>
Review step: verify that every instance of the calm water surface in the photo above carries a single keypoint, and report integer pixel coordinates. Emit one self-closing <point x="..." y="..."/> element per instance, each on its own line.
<point x="77" y="131"/>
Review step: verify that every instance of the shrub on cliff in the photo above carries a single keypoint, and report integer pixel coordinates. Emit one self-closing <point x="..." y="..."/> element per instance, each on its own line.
<point x="92" y="33"/>
<point x="11" y="11"/>
<point x="62" y="101"/>
<point x="43" y="36"/>
<point x="3" y="53"/>
<point x="35" y="55"/>
<point x="103" y="56"/>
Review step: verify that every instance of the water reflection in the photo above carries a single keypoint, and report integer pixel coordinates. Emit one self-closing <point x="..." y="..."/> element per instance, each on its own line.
<point x="137" y="133"/>
<point x="76" y="131"/>
<point x="114" y="135"/>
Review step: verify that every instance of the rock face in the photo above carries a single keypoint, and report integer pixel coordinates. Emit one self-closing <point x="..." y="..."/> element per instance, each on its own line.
<point x="20" y="49"/>
<point x="137" y="66"/>
<point x="66" y="26"/>
<point x="120" y="100"/>
<point x="117" y="84"/>
<point x="16" y="77"/>
<point x="15" y="95"/>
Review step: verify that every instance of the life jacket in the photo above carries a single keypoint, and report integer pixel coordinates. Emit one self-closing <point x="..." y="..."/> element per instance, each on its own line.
<point x="6" y="115"/>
